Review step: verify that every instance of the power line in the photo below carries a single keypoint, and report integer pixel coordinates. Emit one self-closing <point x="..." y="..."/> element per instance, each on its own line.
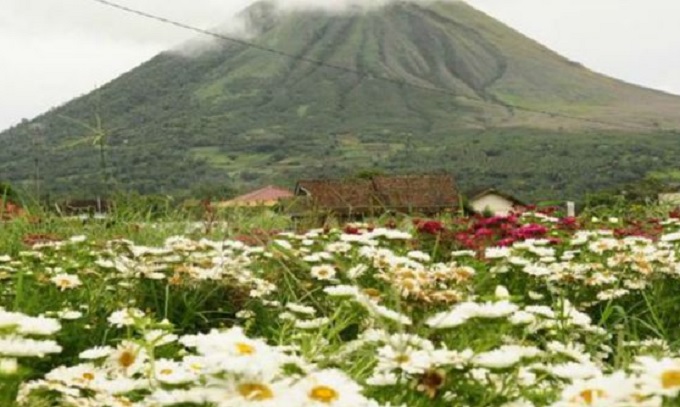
<point x="362" y="75"/>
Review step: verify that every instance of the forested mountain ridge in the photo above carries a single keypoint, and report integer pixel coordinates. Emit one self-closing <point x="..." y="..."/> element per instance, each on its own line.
<point x="429" y="87"/>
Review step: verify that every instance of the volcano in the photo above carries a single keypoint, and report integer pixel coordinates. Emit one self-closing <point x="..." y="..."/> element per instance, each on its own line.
<point x="403" y="88"/>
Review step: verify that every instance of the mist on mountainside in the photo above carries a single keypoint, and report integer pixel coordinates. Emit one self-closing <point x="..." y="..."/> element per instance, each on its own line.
<point x="247" y="23"/>
<point x="344" y="5"/>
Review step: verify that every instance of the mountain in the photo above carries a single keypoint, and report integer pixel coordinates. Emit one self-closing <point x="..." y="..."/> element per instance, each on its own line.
<point x="408" y="87"/>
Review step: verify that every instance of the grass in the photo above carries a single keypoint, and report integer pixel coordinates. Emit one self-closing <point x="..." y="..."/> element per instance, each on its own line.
<point x="275" y="288"/>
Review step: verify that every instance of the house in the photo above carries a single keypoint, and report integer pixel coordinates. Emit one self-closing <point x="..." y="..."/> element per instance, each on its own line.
<point x="266" y="197"/>
<point x="494" y="201"/>
<point x="423" y="194"/>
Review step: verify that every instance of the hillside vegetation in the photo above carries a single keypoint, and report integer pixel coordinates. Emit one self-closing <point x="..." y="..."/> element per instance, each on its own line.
<point x="239" y="116"/>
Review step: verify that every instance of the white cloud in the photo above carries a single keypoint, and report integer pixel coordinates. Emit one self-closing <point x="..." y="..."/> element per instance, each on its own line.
<point x="36" y="18"/>
<point x="45" y="72"/>
<point x="633" y="40"/>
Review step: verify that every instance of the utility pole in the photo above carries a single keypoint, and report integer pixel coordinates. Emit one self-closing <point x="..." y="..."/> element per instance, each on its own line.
<point x="37" y="132"/>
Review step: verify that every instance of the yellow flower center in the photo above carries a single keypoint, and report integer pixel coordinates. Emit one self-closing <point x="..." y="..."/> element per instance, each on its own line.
<point x="124" y="402"/>
<point x="401" y="359"/>
<point x="63" y="283"/>
<point x="372" y="292"/>
<point x="88" y="376"/>
<point x="244" y="349"/>
<point x="127" y="359"/>
<point x="166" y="372"/>
<point x="408" y="275"/>
<point x="323" y="394"/>
<point x="670" y="379"/>
<point x="255" y="391"/>
<point x="409" y="284"/>
<point x="591" y="395"/>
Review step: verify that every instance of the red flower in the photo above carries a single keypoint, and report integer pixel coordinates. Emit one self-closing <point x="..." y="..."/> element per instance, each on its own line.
<point x="351" y="230"/>
<point x="484" y="232"/>
<point x="569" y="222"/>
<point x="530" y="231"/>
<point x="549" y="210"/>
<point x="555" y="241"/>
<point x="494" y="221"/>
<point x="431" y="227"/>
<point x="508" y="241"/>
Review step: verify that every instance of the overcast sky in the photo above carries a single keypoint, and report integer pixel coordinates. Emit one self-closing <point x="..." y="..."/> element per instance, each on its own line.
<point x="55" y="50"/>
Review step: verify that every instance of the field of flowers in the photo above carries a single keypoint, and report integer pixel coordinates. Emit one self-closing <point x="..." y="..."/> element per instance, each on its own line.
<point x="526" y="310"/>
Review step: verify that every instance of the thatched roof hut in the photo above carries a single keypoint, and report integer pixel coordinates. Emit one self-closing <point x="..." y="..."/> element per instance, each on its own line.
<point x="424" y="194"/>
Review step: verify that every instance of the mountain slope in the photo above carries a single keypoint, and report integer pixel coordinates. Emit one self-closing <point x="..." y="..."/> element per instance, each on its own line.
<point x="240" y="116"/>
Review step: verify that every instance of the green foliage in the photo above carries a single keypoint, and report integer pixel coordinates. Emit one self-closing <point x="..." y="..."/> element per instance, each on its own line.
<point x="369" y="174"/>
<point x="640" y="192"/>
<point x="7" y="193"/>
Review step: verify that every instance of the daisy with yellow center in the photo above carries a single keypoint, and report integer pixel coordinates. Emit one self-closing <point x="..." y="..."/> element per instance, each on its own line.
<point x="323" y="272"/>
<point x="611" y="390"/>
<point x="403" y="359"/>
<point x="660" y="377"/>
<point x="66" y="281"/>
<point x="128" y="359"/>
<point x="331" y="388"/>
<point x="590" y="396"/>
<point x="323" y="394"/>
<point x="85" y="375"/>
<point x="255" y="391"/>
<point x="89" y="376"/>
<point x="244" y="349"/>
<point x="172" y="372"/>
<point x="670" y="379"/>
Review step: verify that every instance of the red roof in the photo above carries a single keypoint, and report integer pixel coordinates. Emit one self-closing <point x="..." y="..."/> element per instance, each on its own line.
<point x="266" y="194"/>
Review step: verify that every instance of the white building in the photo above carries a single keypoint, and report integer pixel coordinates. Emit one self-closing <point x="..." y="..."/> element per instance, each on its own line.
<point x="495" y="202"/>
